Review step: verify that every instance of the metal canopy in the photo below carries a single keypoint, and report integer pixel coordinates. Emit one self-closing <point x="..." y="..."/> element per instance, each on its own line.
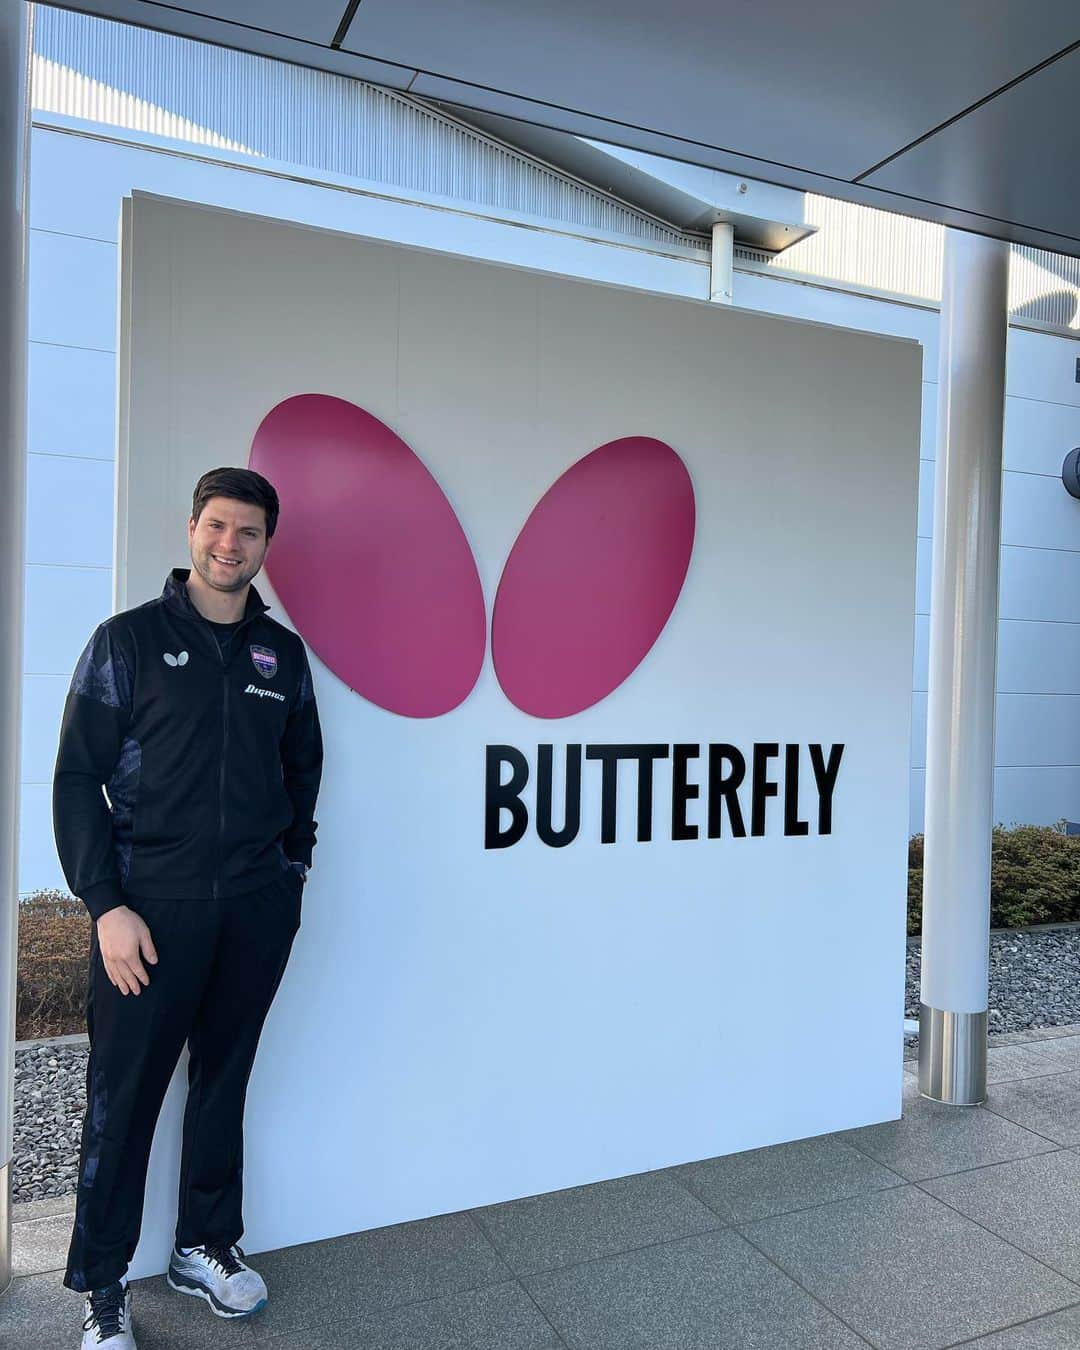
<point x="963" y="113"/>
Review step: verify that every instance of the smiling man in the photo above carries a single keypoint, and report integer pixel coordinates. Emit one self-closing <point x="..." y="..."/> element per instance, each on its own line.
<point x="195" y="712"/>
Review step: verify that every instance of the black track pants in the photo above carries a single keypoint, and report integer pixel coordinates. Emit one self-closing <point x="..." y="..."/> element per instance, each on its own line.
<point x="219" y="966"/>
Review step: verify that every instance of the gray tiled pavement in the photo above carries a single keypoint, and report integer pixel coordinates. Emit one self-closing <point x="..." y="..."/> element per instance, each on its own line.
<point x="949" y="1227"/>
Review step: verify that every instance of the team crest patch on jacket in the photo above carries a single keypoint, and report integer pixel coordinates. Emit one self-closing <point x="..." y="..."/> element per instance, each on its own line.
<point x="265" y="660"/>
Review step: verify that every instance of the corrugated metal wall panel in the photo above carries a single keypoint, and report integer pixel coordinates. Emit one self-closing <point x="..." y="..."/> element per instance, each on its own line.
<point x="860" y="247"/>
<point x="1046" y="287"/>
<point x="863" y="247"/>
<point x="147" y="81"/>
<point x="62" y="90"/>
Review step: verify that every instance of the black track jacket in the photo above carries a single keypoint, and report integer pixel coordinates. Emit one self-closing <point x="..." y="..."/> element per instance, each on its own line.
<point x="211" y="764"/>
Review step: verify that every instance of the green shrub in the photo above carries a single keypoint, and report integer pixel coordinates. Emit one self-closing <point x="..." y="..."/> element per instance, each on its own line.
<point x="1034" y="877"/>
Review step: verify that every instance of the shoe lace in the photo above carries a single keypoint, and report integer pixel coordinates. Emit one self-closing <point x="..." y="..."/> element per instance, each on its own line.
<point x="107" y="1307"/>
<point x="225" y="1258"/>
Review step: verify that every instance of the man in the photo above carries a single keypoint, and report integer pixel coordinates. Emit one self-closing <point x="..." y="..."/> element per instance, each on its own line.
<point x="196" y="714"/>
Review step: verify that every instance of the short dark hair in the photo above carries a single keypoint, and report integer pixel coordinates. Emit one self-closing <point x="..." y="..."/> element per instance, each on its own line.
<point x="243" y="485"/>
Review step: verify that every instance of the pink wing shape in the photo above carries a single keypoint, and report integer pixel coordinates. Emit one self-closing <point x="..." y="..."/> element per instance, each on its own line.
<point x="593" y="577"/>
<point x="369" y="559"/>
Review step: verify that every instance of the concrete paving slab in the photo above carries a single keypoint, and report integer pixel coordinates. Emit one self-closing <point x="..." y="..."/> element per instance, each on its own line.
<point x="165" y="1320"/>
<point x="634" y="1272"/>
<point x="932" y="1140"/>
<point x="708" y="1292"/>
<point x="581" y="1223"/>
<point x="1059" y="1331"/>
<point x="39" y="1245"/>
<point x="42" y="1209"/>
<point x="39" y="1313"/>
<point x="1033" y="1203"/>
<point x="907" y="1272"/>
<point x="765" y="1181"/>
<point x="499" y="1317"/>
<point x="1062" y="1051"/>
<point x="1048" y="1106"/>
<point x="1007" y="1062"/>
<point x="1029" y="1037"/>
<point x="311" y="1285"/>
<point x="1018" y="1056"/>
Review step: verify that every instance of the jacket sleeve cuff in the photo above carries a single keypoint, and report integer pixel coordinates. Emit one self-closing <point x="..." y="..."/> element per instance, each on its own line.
<point x="101" y="897"/>
<point x="299" y="854"/>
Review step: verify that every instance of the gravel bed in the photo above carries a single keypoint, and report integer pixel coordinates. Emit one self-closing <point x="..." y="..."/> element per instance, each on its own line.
<point x="50" y="1098"/>
<point x="1034" y="982"/>
<point x="1034" y="979"/>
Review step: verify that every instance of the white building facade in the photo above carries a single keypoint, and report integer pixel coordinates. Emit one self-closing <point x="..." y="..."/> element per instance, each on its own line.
<point x="119" y="109"/>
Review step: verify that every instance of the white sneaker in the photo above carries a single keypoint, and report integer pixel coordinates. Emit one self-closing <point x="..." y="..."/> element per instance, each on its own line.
<point x="107" y="1319"/>
<point x="218" y="1275"/>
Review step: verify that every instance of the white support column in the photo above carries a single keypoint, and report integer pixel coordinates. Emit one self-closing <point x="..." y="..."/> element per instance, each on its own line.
<point x="722" y="271"/>
<point x="14" y="162"/>
<point x="963" y="671"/>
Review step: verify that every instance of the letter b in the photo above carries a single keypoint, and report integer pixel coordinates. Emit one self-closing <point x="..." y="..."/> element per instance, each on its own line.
<point x="499" y="795"/>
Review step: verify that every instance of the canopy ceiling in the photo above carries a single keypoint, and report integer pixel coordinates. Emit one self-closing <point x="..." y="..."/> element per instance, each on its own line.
<point x="966" y="113"/>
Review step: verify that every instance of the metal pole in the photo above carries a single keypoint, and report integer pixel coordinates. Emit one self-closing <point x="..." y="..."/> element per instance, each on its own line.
<point x="963" y="671"/>
<point x="14" y="164"/>
<point x="722" y="270"/>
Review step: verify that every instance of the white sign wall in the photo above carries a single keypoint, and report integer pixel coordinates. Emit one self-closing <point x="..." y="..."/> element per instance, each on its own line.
<point x="461" y="1025"/>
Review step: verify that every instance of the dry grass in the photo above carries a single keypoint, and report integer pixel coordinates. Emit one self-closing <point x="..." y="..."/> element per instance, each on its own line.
<point x="54" y="950"/>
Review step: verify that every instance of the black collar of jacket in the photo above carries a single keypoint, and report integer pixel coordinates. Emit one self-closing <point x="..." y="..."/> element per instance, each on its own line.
<point x="177" y="599"/>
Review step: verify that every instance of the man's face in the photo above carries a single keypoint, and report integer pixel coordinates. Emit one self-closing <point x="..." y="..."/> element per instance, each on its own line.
<point x="228" y="543"/>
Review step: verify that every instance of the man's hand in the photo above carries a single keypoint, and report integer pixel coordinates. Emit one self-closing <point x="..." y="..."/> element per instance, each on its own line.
<point x="124" y="939"/>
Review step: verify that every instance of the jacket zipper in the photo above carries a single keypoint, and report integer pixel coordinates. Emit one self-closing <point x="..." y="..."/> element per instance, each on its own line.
<point x="224" y="741"/>
<point x="224" y="756"/>
<point x="183" y="602"/>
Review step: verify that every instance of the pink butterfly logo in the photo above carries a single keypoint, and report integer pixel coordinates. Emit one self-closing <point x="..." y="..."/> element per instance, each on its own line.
<point x="374" y="569"/>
